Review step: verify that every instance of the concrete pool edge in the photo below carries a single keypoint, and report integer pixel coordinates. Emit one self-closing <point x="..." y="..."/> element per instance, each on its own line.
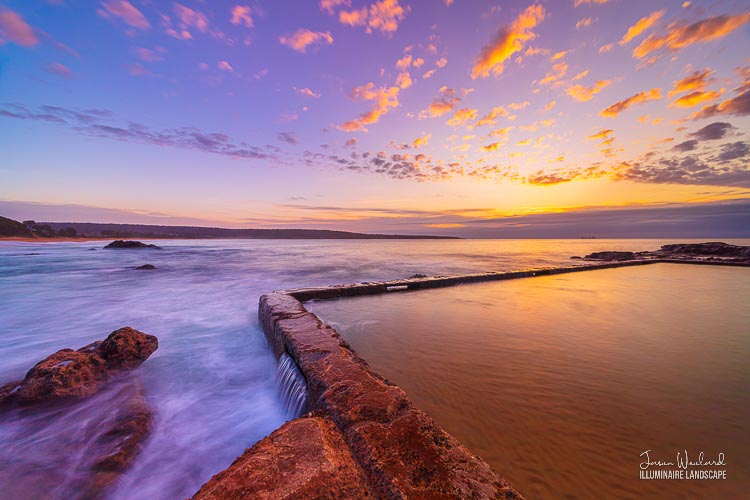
<point x="397" y="450"/>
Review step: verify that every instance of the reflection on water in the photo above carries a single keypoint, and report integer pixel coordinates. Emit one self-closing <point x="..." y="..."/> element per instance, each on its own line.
<point x="212" y="383"/>
<point x="561" y="382"/>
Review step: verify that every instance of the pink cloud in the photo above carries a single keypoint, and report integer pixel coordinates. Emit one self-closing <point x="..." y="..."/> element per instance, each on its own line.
<point x="224" y="65"/>
<point x="14" y="29"/>
<point x="190" y="18"/>
<point x="302" y="38"/>
<point x="126" y="12"/>
<point x="59" y="70"/>
<point x="241" y="14"/>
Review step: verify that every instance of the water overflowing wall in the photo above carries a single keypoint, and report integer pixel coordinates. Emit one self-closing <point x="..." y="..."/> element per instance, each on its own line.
<point x="291" y="385"/>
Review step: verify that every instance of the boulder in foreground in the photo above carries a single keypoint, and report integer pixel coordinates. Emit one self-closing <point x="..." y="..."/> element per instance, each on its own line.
<point x="304" y="458"/>
<point x="69" y="374"/>
<point x="128" y="244"/>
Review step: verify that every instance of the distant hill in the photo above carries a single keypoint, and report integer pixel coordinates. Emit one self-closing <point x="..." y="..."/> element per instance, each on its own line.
<point x="10" y="227"/>
<point x="147" y="231"/>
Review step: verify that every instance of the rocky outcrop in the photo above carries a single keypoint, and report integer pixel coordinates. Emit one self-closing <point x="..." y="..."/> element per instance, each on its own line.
<point x="146" y="267"/>
<point x="609" y="256"/>
<point x="304" y="458"/>
<point x="69" y="374"/>
<point x="130" y="244"/>
<point x="713" y="252"/>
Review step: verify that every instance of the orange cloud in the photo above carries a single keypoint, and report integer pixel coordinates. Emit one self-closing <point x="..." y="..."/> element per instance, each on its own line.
<point x="462" y="117"/>
<point x="404" y="80"/>
<point x="640" y="97"/>
<point x="679" y="36"/>
<point x="695" y="98"/>
<point x="606" y="48"/>
<point x="308" y="92"/>
<point x="550" y="105"/>
<point x="302" y="38"/>
<point x="602" y="134"/>
<point x="428" y="74"/>
<point x="440" y="63"/>
<point x="515" y="106"/>
<point x="558" y="71"/>
<point x="241" y="14"/>
<point x="442" y="104"/>
<point x="14" y="29"/>
<point x="491" y="117"/>
<point x="501" y="132"/>
<point x="380" y="16"/>
<point x="583" y="93"/>
<point x="384" y="99"/>
<point x="642" y="25"/>
<point x="697" y="80"/>
<point x="584" y="23"/>
<point x="125" y="10"/>
<point x="507" y="42"/>
<point x="491" y="147"/>
<point x="421" y="141"/>
<point x="330" y="5"/>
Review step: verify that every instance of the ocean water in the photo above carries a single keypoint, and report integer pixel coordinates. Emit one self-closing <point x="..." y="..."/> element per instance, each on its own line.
<point x="212" y="382"/>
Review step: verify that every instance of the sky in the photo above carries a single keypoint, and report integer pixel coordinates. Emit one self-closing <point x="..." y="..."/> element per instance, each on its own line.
<point x="449" y="117"/>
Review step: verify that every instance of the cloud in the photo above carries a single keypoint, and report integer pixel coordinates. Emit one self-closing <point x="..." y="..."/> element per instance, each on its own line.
<point x="302" y="38"/>
<point x="384" y="99"/>
<point x="404" y="80"/>
<point x="443" y="103"/>
<point x="686" y="146"/>
<point x="330" y="5"/>
<point x="508" y="41"/>
<point x="491" y="117"/>
<point x="59" y="70"/>
<point x="578" y="3"/>
<point x="383" y="16"/>
<point x="738" y="105"/>
<point x="421" y="141"/>
<point x="288" y="137"/>
<point x="697" y="80"/>
<point x="148" y="55"/>
<point x="734" y="151"/>
<point x="491" y="147"/>
<point x="103" y="124"/>
<point x="190" y="18"/>
<point x="126" y="12"/>
<point x="584" y="94"/>
<point x="14" y="29"/>
<point x="441" y="63"/>
<point x="695" y="98"/>
<point x="242" y="15"/>
<point x="679" y="36"/>
<point x="584" y="23"/>
<point x="308" y="92"/>
<point x="557" y="73"/>
<point x="602" y="134"/>
<point x="462" y="117"/>
<point x="225" y="66"/>
<point x="640" y="97"/>
<point x="712" y="131"/>
<point x="642" y="25"/>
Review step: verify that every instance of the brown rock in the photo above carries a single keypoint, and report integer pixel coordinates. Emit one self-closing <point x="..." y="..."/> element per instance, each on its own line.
<point x="304" y="458"/>
<point x="69" y="374"/>
<point x="610" y="256"/>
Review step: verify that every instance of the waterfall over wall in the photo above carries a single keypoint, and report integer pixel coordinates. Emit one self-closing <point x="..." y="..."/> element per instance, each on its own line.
<point x="292" y="386"/>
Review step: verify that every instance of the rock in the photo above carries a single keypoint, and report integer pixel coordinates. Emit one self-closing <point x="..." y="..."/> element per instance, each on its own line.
<point x="575" y="257"/>
<point x="713" y="248"/>
<point x="610" y="256"/>
<point x="118" y="447"/>
<point x="69" y="374"/>
<point x="146" y="267"/>
<point x="304" y="458"/>
<point x="418" y="275"/>
<point x="120" y="244"/>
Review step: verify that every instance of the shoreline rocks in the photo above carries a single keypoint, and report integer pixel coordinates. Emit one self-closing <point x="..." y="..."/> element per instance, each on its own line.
<point x="79" y="374"/>
<point x="146" y="267"/>
<point x="688" y="252"/>
<point x="130" y="244"/>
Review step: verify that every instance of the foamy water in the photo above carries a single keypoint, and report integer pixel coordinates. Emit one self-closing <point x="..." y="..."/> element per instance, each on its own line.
<point x="213" y="380"/>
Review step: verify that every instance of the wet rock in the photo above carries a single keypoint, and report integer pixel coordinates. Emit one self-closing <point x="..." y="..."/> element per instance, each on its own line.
<point x="713" y="248"/>
<point x="610" y="256"/>
<point x="304" y="458"/>
<point x="417" y="275"/>
<point x="69" y="374"/>
<point x="577" y="257"/>
<point x="146" y="267"/>
<point x="128" y="244"/>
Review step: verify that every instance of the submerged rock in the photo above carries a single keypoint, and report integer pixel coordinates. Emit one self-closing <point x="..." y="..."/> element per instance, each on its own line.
<point x="119" y="244"/>
<point x="304" y="458"/>
<point x="69" y="374"/>
<point x="610" y="256"/>
<point x="146" y="267"/>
